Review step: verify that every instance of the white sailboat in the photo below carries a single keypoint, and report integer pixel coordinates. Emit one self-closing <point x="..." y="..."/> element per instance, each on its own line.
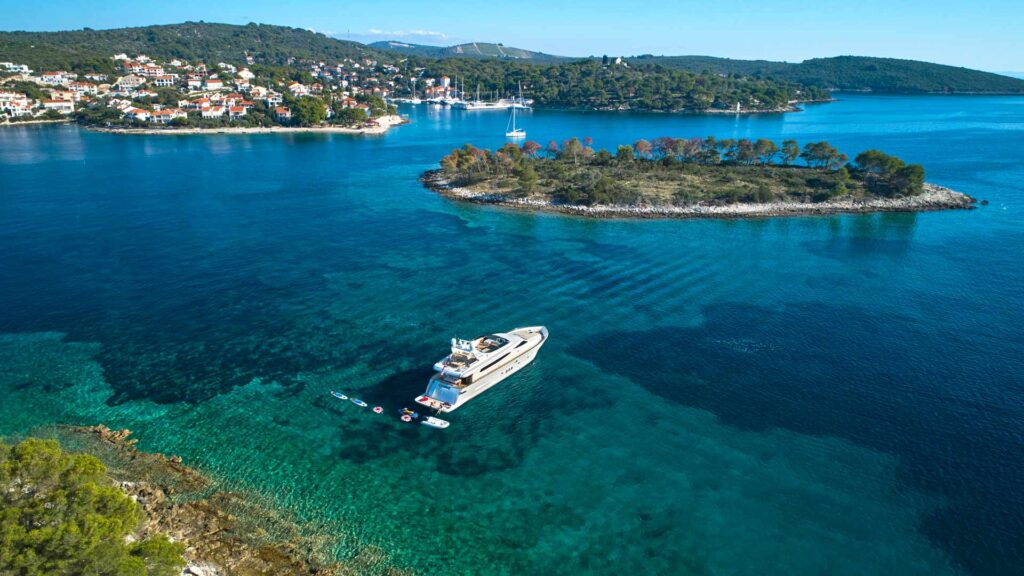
<point x="512" y="131"/>
<point x="414" y="99"/>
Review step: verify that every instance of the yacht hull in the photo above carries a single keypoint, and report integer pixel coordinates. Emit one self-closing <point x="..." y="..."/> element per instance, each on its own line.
<point x="535" y="336"/>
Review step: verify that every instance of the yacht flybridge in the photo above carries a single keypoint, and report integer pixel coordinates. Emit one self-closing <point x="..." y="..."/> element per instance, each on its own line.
<point x="474" y="366"/>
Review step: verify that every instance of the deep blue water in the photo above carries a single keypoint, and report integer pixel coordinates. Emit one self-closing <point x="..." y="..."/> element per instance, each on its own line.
<point x="839" y="395"/>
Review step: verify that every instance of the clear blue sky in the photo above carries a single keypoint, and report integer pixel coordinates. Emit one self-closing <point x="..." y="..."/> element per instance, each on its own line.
<point x="984" y="34"/>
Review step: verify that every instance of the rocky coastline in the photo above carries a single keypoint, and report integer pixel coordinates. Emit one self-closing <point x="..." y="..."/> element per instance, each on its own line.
<point x="385" y="123"/>
<point x="226" y="533"/>
<point x="933" y="198"/>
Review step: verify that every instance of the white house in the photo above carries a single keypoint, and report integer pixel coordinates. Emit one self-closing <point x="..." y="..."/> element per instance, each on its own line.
<point x="213" y="112"/>
<point x="214" y="84"/>
<point x="245" y="74"/>
<point x="298" y="89"/>
<point x="15" y="68"/>
<point x="66" y="95"/>
<point x="282" y="114"/>
<point x="15" y="108"/>
<point x="152" y="70"/>
<point x="130" y="81"/>
<point x="53" y="78"/>
<point x="165" y="81"/>
<point x="166" y="116"/>
<point x="236" y="112"/>
<point x="11" y="96"/>
<point x="274" y="98"/>
<point x="137" y="114"/>
<point x="195" y="82"/>
<point x="83" y="88"/>
<point x="62" y="106"/>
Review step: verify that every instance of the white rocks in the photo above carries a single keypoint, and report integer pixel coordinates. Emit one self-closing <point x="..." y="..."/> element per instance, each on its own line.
<point x="201" y="569"/>
<point x="934" y="197"/>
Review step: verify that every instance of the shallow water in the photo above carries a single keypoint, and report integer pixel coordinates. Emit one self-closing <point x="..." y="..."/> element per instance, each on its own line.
<point x="836" y="395"/>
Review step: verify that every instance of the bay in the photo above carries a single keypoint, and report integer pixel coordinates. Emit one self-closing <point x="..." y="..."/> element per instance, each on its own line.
<point x="813" y="395"/>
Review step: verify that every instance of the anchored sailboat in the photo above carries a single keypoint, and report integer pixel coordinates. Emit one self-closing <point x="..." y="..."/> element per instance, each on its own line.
<point x="511" y="131"/>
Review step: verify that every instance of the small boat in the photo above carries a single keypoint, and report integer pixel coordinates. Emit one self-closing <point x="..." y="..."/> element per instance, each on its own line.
<point x="359" y="403"/>
<point x="339" y="395"/>
<point x="410" y="413"/>
<point x="435" y="422"/>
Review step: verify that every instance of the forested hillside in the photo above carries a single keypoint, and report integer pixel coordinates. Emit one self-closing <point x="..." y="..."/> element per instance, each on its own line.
<point x="854" y="73"/>
<point x="468" y="50"/>
<point x="190" y="41"/>
<point x="589" y="84"/>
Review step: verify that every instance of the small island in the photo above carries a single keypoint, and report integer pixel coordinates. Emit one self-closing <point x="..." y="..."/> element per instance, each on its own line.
<point x="689" y="178"/>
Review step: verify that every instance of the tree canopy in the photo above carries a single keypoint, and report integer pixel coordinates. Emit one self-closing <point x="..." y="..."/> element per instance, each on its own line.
<point x="681" y="171"/>
<point x="308" y="111"/>
<point x="60" y="514"/>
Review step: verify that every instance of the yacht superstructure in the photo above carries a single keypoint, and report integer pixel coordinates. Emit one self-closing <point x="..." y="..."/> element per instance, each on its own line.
<point x="474" y="366"/>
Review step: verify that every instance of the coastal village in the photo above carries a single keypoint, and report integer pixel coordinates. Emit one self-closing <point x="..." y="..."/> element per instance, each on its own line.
<point x="150" y="93"/>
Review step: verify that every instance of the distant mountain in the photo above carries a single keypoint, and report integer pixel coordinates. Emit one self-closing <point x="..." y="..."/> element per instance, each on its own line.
<point x="190" y="40"/>
<point x="469" y="50"/>
<point x="887" y="75"/>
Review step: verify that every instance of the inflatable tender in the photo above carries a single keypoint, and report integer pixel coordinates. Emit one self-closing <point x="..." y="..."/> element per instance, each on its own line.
<point x="435" y="422"/>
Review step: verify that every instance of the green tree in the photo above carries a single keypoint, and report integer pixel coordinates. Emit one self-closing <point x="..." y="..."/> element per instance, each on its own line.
<point x="878" y="163"/>
<point x="790" y="152"/>
<point x="61" y="515"/>
<point x="624" y="153"/>
<point x="822" y="155"/>
<point x="349" y="116"/>
<point x="907" y="180"/>
<point x="572" y="148"/>
<point x="766" y="151"/>
<point x="308" y="111"/>
<point x="527" y="178"/>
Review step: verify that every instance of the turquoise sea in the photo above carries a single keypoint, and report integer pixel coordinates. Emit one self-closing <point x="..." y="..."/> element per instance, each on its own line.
<point x="820" y="395"/>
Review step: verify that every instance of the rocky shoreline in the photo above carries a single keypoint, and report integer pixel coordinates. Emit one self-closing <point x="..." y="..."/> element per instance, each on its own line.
<point x="225" y="533"/>
<point x="385" y="124"/>
<point x="933" y="198"/>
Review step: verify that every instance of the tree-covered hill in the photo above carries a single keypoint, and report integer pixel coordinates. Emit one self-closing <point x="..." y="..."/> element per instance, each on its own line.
<point x="589" y="84"/>
<point x="190" y="41"/>
<point x="887" y="75"/>
<point x="468" y="50"/>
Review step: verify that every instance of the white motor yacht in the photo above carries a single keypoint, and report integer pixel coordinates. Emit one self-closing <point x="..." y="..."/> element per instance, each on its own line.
<point x="474" y="366"/>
